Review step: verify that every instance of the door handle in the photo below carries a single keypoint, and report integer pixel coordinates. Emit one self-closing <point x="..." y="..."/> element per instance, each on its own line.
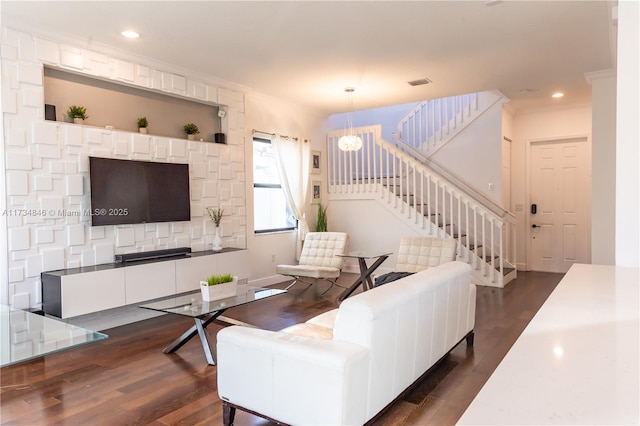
<point x="535" y="226"/>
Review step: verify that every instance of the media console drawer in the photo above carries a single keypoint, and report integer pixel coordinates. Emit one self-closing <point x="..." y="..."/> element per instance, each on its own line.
<point x="71" y="292"/>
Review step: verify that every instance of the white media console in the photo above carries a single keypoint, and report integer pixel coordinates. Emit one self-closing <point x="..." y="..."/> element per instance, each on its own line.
<point x="71" y="292"/>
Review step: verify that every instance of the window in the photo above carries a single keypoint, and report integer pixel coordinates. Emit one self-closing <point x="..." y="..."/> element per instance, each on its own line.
<point x="271" y="211"/>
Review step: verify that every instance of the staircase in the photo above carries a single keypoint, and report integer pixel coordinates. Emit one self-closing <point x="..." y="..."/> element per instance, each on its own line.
<point x="427" y="201"/>
<point x="432" y="123"/>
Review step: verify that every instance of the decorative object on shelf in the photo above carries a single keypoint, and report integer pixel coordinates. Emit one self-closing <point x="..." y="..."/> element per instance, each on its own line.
<point x="216" y="216"/>
<point x="219" y="138"/>
<point x="191" y="130"/>
<point x="77" y="113"/>
<point x="349" y="141"/>
<point x="49" y="112"/>
<point x="143" y="123"/>
<point x="321" y="226"/>
<point x="219" y="287"/>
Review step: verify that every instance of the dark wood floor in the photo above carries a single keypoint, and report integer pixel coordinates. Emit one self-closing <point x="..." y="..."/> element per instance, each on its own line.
<point x="126" y="379"/>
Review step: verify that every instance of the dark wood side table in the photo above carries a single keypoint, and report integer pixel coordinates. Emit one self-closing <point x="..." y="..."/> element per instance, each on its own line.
<point x="365" y="271"/>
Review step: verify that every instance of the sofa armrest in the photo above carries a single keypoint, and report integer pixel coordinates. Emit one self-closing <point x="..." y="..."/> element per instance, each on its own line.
<point x="293" y="379"/>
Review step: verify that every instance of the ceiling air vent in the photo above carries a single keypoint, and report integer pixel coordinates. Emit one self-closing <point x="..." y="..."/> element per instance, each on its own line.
<point x="419" y="82"/>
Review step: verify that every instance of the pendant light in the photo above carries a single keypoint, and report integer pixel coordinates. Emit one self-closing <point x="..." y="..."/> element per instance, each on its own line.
<point x="349" y="141"/>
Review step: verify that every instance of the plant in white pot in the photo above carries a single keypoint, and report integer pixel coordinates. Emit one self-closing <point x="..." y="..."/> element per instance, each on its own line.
<point x="143" y="123"/>
<point x="191" y="130"/>
<point x="77" y="113"/>
<point x="216" y="216"/>
<point x="219" y="287"/>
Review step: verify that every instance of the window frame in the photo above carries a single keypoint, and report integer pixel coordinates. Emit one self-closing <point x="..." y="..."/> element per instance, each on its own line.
<point x="268" y="186"/>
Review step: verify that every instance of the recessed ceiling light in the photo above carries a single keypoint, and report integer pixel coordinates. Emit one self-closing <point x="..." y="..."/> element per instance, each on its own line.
<point x="557" y="95"/>
<point x="419" y="82"/>
<point x="130" y="34"/>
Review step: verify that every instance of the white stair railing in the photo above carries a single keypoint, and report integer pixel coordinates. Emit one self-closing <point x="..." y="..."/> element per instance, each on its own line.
<point x="432" y="123"/>
<point x="424" y="199"/>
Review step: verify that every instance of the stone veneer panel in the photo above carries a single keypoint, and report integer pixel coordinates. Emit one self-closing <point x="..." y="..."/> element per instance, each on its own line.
<point x="47" y="164"/>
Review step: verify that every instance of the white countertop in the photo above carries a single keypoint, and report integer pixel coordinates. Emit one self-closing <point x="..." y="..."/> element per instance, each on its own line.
<point x="577" y="362"/>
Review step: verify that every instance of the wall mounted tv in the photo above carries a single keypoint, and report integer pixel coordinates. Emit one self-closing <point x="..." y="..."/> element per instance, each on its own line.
<point x="130" y="191"/>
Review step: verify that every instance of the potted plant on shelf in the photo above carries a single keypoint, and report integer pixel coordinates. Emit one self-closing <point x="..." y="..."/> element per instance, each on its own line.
<point x="191" y="130"/>
<point x="216" y="216"/>
<point x="143" y="123"/>
<point x="77" y="113"/>
<point x="219" y="287"/>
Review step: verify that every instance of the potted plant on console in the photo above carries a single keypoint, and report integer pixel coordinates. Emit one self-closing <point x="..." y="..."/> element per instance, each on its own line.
<point x="216" y="217"/>
<point x="219" y="287"/>
<point x="143" y="123"/>
<point x="77" y="113"/>
<point x="191" y="130"/>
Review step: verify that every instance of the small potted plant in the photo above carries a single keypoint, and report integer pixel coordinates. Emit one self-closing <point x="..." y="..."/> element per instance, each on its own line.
<point x="77" y="113"/>
<point x="219" y="287"/>
<point x="143" y="123"/>
<point x="191" y="130"/>
<point x="216" y="217"/>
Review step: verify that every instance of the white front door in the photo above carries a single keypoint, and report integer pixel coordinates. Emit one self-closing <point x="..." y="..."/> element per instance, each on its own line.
<point x="559" y="232"/>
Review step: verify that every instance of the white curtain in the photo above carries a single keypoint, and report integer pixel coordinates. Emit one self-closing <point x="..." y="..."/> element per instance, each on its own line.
<point x="294" y="158"/>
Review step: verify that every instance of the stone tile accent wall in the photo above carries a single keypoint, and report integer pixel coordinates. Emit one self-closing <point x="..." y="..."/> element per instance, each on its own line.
<point x="47" y="166"/>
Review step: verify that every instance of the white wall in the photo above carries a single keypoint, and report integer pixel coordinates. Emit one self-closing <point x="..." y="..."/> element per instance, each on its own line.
<point x="528" y="126"/>
<point x="603" y="167"/>
<point x="475" y="154"/>
<point x="628" y="136"/>
<point x="47" y="166"/>
<point x="272" y="115"/>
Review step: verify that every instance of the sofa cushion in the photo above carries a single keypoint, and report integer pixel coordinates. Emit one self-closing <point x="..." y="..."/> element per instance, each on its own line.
<point x="310" y="330"/>
<point x="327" y="319"/>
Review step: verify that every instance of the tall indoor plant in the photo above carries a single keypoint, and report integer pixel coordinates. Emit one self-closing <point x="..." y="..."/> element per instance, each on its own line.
<point x="321" y="226"/>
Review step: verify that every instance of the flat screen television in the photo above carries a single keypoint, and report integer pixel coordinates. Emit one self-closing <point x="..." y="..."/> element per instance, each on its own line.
<point x="131" y="191"/>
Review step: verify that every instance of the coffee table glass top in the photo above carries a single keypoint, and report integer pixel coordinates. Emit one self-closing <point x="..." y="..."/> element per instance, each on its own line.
<point x="192" y="305"/>
<point x="25" y="335"/>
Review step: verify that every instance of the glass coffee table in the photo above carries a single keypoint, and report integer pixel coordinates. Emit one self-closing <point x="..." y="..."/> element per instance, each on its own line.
<point x="203" y="313"/>
<point x="26" y="335"/>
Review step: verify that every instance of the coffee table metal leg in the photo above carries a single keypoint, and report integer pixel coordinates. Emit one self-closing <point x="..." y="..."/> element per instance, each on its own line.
<point x="180" y="341"/>
<point x="200" y="329"/>
<point x="204" y="339"/>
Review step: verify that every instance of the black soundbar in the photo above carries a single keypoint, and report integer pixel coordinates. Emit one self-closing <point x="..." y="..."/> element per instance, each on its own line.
<point x="154" y="254"/>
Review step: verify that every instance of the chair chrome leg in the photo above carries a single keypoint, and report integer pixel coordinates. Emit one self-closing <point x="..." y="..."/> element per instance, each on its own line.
<point x="295" y="281"/>
<point x="291" y="285"/>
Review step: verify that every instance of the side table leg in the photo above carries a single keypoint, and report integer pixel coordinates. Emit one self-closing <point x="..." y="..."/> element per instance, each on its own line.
<point x="364" y="278"/>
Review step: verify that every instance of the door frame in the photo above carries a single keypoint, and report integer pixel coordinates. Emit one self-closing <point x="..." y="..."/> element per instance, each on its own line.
<point x="586" y="138"/>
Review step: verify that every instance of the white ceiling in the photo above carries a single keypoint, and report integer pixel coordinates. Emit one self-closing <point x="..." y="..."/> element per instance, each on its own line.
<point x="309" y="51"/>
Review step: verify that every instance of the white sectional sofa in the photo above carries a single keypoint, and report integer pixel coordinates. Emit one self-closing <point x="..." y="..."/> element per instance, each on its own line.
<point x="345" y="366"/>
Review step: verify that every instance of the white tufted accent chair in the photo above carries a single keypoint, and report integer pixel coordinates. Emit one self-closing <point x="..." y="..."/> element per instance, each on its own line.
<point x="319" y="258"/>
<point x="418" y="253"/>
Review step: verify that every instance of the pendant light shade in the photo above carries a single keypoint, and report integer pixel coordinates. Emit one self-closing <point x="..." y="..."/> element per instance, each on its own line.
<point x="349" y="141"/>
